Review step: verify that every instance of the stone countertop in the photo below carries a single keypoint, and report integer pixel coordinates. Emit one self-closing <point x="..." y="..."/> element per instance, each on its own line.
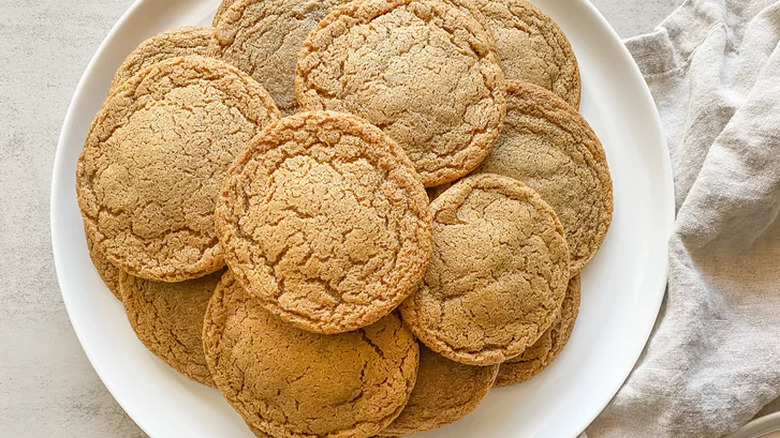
<point x="47" y="386"/>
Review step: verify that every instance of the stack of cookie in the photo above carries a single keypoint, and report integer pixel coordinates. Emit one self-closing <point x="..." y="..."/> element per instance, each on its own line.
<point x="255" y="195"/>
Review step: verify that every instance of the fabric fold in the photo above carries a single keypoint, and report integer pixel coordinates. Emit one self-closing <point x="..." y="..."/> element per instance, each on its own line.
<point x="713" y="359"/>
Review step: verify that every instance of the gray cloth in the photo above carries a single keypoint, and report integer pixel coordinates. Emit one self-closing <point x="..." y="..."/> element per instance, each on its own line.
<point x="713" y="359"/>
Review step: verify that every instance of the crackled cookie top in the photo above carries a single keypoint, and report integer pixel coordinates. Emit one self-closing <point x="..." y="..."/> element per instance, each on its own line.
<point x="538" y="356"/>
<point x="498" y="273"/>
<point x="108" y="272"/>
<point x="170" y="44"/>
<point x="444" y="393"/>
<point x="550" y="147"/>
<point x="223" y="7"/>
<point x="532" y="47"/>
<point x="263" y="37"/>
<point x="324" y="220"/>
<point x="425" y="71"/>
<point x="168" y="319"/>
<point x="288" y="382"/>
<point x="153" y="162"/>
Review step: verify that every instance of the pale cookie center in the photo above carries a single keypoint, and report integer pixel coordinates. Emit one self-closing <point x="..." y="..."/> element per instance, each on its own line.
<point x="521" y="58"/>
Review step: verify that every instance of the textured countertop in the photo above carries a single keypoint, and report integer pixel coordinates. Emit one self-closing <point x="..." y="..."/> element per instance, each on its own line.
<point x="47" y="386"/>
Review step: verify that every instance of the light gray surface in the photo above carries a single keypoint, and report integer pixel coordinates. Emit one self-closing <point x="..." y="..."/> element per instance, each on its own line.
<point x="47" y="387"/>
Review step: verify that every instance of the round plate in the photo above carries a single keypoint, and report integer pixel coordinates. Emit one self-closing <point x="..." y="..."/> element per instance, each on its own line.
<point x="622" y="288"/>
<point x="767" y="426"/>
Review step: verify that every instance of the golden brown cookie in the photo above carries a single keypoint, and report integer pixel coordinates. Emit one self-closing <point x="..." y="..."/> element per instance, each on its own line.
<point x="445" y="392"/>
<point x="425" y="71"/>
<point x="550" y="147"/>
<point x="532" y="47"/>
<point x="108" y="272"/>
<point x="223" y="7"/>
<point x="177" y="42"/>
<point x="153" y="162"/>
<point x="168" y="320"/>
<point x="257" y="432"/>
<point x="538" y="356"/>
<point x="263" y="37"/>
<point x="260" y="434"/>
<point x="291" y="383"/>
<point x="324" y="220"/>
<point x="498" y="274"/>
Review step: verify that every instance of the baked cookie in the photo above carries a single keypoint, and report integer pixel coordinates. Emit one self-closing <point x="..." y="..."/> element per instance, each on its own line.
<point x="263" y="37"/>
<point x="223" y="7"/>
<point x="288" y="382"/>
<point x="108" y="272"/>
<point x="425" y="71"/>
<point x="153" y="162"/>
<point x="444" y="393"/>
<point x="258" y="433"/>
<point x="170" y="44"/>
<point x="550" y="147"/>
<point x="532" y="47"/>
<point x="538" y="356"/>
<point x="498" y="274"/>
<point x="168" y="320"/>
<point x="324" y="220"/>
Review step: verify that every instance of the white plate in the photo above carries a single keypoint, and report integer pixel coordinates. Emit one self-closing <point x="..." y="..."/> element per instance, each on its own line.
<point x="767" y="426"/>
<point x="622" y="288"/>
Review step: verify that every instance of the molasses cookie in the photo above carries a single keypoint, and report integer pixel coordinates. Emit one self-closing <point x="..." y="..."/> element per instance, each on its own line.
<point x="444" y="393"/>
<point x="532" y="47"/>
<point x="154" y="160"/>
<point x="108" y="272"/>
<point x="425" y="71"/>
<point x="538" y="356"/>
<point x="170" y="44"/>
<point x="550" y="147"/>
<point x="323" y="220"/>
<point x="223" y="7"/>
<point x="288" y="382"/>
<point x="498" y="274"/>
<point x="168" y="319"/>
<point x="263" y="37"/>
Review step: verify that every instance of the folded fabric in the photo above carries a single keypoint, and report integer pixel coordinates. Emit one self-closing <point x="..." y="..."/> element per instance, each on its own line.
<point x="713" y="360"/>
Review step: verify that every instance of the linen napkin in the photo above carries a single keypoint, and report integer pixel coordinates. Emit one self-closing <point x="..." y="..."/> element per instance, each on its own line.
<point x="713" y="360"/>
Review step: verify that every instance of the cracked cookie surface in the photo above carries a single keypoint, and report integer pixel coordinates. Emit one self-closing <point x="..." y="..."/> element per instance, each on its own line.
<point x="221" y="9"/>
<point x="532" y="47"/>
<point x="291" y="383"/>
<point x="168" y="320"/>
<point x="108" y="272"/>
<point x="540" y="355"/>
<point x="153" y="163"/>
<point x="263" y="37"/>
<point x="445" y="392"/>
<point x="425" y="71"/>
<point x="498" y="274"/>
<point x="550" y="147"/>
<point x="324" y="220"/>
<point x="182" y="41"/>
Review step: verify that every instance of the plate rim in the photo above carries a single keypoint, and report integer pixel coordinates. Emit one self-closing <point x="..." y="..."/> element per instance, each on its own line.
<point x="645" y="99"/>
<point x="759" y="427"/>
